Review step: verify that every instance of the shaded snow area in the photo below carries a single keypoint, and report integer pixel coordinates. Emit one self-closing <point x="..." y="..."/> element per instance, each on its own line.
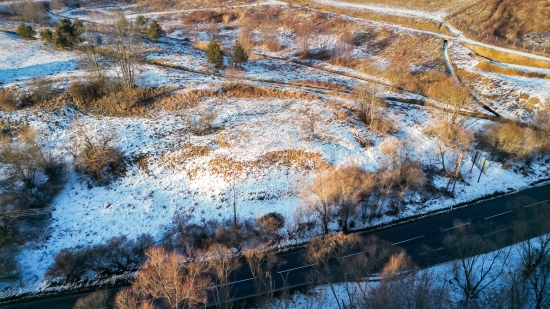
<point x="22" y="59"/>
<point x="506" y="94"/>
<point x="440" y="284"/>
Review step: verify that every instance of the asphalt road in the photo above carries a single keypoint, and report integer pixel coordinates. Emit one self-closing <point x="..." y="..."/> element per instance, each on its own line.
<point x="423" y="240"/>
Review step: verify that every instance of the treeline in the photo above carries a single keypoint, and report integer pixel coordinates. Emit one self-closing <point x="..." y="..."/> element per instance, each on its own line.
<point x="357" y="272"/>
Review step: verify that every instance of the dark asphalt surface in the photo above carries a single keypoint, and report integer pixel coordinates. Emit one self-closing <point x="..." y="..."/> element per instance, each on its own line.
<point x="494" y="216"/>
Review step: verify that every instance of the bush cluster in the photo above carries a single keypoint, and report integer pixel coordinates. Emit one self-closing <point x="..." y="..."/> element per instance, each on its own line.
<point x="25" y="31"/>
<point x="117" y="255"/>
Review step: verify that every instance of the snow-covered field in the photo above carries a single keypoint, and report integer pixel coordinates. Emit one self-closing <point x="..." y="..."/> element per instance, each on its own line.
<point x="249" y="130"/>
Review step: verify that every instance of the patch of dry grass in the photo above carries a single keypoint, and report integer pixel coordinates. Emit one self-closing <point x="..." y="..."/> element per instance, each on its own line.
<point x="422" y="51"/>
<point x="506" y="18"/>
<point x="433" y="5"/>
<point x="239" y="90"/>
<point x="504" y="57"/>
<point x="489" y="67"/>
<point x="416" y="23"/>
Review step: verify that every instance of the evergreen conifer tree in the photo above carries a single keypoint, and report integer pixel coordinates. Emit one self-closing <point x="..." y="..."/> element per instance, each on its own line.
<point x="140" y="21"/>
<point x="25" y="31"/>
<point x="239" y="54"/>
<point x="214" y="54"/>
<point x="46" y="35"/>
<point x="153" y="31"/>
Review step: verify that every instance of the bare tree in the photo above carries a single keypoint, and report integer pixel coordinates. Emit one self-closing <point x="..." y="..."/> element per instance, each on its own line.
<point x="263" y="264"/>
<point x="532" y="232"/>
<point x="124" y="49"/>
<point x="222" y="262"/>
<point x="337" y="193"/>
<point x="333" y="259"/>
<point x="369" y="102"/>
<point x="173" y="279"/>
<point x="406" y="172"/>
<point x="451" y="101"/>
<point x="453" y="139"/>
<point x="479" y="263"/>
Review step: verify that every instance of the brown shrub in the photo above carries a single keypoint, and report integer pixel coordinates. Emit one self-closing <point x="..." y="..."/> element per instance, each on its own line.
<point x="113" y="99"/>
<point x="270" y="224"/>
<point x="97" y="158"/>
<point x="515" y="140"/>
<point x="7" y="101"/>
<point x="210" y="16"/>
<point x="246" y="38"/>
<point x="325" y="84"/>
<point x="239" y="90"/>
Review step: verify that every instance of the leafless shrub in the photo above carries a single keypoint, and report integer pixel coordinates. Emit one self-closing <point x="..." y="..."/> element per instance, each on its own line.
<point x="515" y="140"/>
<point x="474" y="272"/>
<point x="333" y="261"/>
<point x="342" y="51"/>
<point x="204" y="125"/>
<point x="261" y="262"/>
<point x="270" y="224"/>
<point x="23" y="184"/>
<point x="401" y="285"/>
<point x="370" y="105"/>
<point x="246" y="38"/>
<point x="172" y="279"/>
<point x="308" y="123"/>
<point x="9" y="268"/>
<point x="304" y="34"/>
<point x="7" y="101"/>
<point x="95" y="300"/>
<point x="31" y="11"/>
<point x="337" y="192"/>
<point x="117" y="255"/>
<point x="97" y="157"/>
<point x="41" y="91"/>
<point x="222" y="262"/>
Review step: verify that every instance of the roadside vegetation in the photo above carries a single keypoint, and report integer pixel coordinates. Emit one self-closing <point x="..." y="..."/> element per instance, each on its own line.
<point x="227" y="130"/>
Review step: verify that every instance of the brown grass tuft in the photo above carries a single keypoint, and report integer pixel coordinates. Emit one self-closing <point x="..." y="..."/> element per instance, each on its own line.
<point x="7" y="101"/>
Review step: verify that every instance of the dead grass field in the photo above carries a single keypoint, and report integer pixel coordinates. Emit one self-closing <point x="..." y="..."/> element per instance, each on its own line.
<point x="415" y="23"/>
<point x="499" y="56"/>
<point x="506" y="18"/>
<point x="427" y="5"/>
<point x="489" y="67"/>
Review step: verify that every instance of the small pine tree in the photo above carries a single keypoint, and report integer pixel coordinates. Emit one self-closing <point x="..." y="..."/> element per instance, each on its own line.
<point x="153" y="31"/>
<point x="239" y="54"/>
<point x="46" y="35"/>
<point x="79" y="29"/>
<point x="214" y="54"/>
<point x="140" y="21"/>
<point x="67" y="33"/>
<point x="25" y="31"/>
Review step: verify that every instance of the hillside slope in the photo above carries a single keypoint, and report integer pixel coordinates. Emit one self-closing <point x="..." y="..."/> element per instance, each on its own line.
<point x="511" y="19"/>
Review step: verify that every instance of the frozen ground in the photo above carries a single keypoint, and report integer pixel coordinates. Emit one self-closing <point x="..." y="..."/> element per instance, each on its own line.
<point x="144" y="201"/>
<point x="24" y="59"/>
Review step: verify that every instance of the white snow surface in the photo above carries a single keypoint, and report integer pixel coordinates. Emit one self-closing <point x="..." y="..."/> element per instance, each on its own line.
<point x="145" y="201"/>
<point x="24" y="59"/>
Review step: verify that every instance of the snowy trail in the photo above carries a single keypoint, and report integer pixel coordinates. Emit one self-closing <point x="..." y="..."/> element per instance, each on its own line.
<point x="448" y="61"/>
